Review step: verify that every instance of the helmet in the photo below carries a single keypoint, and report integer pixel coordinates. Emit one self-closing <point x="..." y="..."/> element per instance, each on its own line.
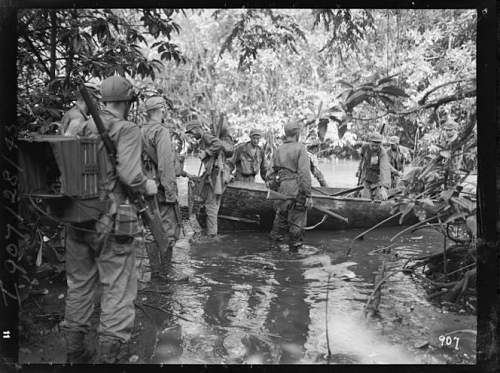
<point x="154" y="102"/>
<point x="191" y="125"/>
<point x="117" y="88"/>
<point x="394" y="140"/>
<point x="254" y="131"/>
<point x="375" y="137"/>
<point x="450" y="124"/>
<point x="292" y="128"/>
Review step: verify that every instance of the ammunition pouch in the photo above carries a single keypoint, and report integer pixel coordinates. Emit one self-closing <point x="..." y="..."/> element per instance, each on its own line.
<point x="300" y="202"/>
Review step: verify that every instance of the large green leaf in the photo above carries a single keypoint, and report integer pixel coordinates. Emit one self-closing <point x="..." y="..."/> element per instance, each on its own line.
<point x="394" y="91"/>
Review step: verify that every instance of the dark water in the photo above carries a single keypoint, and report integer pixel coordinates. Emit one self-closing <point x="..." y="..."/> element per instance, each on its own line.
<point x="247" y="304"/>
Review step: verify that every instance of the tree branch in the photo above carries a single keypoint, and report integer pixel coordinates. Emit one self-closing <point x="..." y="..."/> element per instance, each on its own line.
<point x="37" y="55"/>
<point x="423" y="99"/>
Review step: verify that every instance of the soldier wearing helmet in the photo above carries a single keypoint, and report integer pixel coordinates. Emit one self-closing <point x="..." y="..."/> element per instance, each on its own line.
<point x="159" y="164"/>
<point x="291" y="175"/>
<point x="95" y="255"/>
<point x="395" y="160"/>
<point x="211" y="148"/>
<point x="374" y="169"/>
<point x="249" y="159"/>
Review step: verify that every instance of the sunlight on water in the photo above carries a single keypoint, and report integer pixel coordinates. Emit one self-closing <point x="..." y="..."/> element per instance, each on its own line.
<point x="246" y="304"/>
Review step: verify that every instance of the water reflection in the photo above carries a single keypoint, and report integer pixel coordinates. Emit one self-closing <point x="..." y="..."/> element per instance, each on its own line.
<point x="246" y="304"/>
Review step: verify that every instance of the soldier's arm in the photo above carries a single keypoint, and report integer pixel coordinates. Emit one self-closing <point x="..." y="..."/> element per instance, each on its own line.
<point x="128" y="155"/>
<point x="318" y="174"/>
<point x="166" y="164"/>
<point x="232" y="161"/>
<point x="304" y="172"/>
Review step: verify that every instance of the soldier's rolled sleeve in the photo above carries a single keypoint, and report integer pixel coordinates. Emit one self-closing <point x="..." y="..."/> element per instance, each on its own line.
<point x="128" y="154"/>
<point x="166" y="164"/>
<point x="233" y="160"/>
<point x="304" y="172"/>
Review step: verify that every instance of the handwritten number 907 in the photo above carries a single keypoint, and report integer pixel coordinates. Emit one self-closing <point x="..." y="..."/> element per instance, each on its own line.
<point x="447" y="340"/>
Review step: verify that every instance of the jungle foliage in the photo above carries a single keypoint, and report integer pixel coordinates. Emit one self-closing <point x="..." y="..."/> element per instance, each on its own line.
<point x="344" y="72"/>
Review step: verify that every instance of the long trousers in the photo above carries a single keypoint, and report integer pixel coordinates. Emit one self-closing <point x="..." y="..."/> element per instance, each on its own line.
<point x="212" y="205"/>
<point x="289" y="220"/>
<point x="91" y="262"/>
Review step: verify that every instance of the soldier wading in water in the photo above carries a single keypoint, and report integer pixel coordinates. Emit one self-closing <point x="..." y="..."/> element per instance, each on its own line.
<point x="291" y="176"/>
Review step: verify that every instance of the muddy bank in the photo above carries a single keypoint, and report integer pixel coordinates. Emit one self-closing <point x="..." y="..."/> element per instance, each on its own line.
<point x="246" y="304"/>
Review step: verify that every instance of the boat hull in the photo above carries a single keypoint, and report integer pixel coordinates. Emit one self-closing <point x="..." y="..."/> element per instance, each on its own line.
<point x="244" y="206"/>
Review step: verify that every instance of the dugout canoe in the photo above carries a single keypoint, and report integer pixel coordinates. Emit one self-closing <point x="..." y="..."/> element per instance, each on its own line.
<point x="244" y="206"/>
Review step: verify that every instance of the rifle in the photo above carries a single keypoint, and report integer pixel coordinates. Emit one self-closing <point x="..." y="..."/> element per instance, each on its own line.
<point x="273" y="195"/>
<point x="219" y="162"/>
<point x="146" y="209"/>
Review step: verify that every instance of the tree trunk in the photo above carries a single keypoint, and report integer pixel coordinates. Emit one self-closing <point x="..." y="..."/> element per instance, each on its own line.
<point x="53" y="44"/>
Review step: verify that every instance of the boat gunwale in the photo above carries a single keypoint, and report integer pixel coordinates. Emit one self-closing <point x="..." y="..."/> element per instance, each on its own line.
<point x="242" y="186"/>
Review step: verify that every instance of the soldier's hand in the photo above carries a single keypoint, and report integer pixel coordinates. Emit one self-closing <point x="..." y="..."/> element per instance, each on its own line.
<point x="383" y="193"/>
<point x="309" y="203"/>
<point x="151" y="188"/>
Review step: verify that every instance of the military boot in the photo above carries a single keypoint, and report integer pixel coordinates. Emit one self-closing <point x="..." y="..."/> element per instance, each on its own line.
<point x="154" y="259"/>
<point x="109" y="351"/>
<point x="76" y="352"/>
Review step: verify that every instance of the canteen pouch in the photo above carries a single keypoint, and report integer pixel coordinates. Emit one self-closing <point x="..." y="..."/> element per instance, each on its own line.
<point x="126" y="223"/>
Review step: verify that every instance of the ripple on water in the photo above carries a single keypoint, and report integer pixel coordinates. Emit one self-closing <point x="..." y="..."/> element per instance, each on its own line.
<point x="248" y="304"/>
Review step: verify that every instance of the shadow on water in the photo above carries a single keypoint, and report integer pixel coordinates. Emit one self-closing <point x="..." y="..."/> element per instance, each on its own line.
<point x="246" y="304"/>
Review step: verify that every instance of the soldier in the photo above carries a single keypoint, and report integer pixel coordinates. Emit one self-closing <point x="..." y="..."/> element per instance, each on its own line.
<point x="95" y="256"/>
<point x="374" y="169"/>
<point x="395" y="160"/>
<point x="248" y="159"/>
<point x="291" y="175"/>
<point x="315" y="170"/>
<point x="73" y="121"/>
<point x="159" y="163"/>
<point x="216" y="176"/>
